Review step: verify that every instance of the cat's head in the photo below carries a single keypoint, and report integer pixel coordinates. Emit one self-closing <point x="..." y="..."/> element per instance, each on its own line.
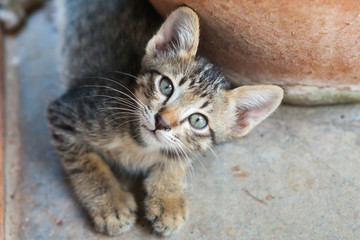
<point x="189" y="104"/>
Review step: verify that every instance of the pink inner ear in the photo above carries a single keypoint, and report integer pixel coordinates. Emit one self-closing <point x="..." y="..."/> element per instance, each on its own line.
<point x="162" y="47"/>
<point x="158" y="50"/>
<point x="246" y="115"/>
<point x="242" y="116"/>
<point x="168" y="37"/>
<point x="252" y="104"/>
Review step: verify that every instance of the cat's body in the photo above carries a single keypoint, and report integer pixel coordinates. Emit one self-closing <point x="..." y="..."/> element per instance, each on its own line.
<point x="178" y="104"/>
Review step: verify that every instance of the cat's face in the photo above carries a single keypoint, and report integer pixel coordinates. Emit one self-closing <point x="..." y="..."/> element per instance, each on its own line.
<point x="186" y="102"/>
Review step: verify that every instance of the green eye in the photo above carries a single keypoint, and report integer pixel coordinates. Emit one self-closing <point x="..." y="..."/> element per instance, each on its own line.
<point x="197" y="121"/>
<point x="166" y="87"/>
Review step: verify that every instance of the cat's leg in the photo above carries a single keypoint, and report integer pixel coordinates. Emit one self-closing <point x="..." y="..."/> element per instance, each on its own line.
<point x="165" y="204"/>
<point x="112" y="209"/>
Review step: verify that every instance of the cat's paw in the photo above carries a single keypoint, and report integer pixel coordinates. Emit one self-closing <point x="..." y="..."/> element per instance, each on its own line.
<point x="166" y="212"/>
<point x="116" y="216"/>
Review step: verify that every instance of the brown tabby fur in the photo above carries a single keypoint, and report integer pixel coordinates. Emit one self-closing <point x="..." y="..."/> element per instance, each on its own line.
<point x="109" y="118"/>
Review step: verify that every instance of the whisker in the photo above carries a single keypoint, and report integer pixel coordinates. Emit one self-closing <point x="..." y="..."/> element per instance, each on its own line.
<point x="183" y="153"/>
<point x="116" y="118"/>
<point x="180" y="160"/>
<point x="98" y="95"/>
<point x="126" y="103"/>
<point x="125" y="112"/>
<point x="195" y="156"/>
<point x="106" y="96"/>
<point x="122" y="85"/>
<point x="131" y="107"/>
<point x="175" y="149"/>
<point x="121" y="117"/>
<point x="118" y="91"/>
<point x="216" y="157"/>
<point x="132" y="120"/>
<point x="124" y="109"/>
<point x="189" y="162"/>
<point x="124" y="73"/>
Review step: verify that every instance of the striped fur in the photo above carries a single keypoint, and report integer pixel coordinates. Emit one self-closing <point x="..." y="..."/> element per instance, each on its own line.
<point x="110" y="117"/>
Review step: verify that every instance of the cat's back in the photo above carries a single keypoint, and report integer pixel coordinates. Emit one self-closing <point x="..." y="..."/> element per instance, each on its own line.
<point x="102" y="36"/>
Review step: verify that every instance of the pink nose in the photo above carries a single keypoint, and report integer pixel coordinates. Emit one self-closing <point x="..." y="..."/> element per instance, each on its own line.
<point x="160" y="123"/>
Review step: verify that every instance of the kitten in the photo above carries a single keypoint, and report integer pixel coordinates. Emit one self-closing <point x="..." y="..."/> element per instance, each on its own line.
<point x="178" y="104"/>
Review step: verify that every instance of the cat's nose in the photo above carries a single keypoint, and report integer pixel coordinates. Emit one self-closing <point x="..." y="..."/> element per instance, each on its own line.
<point x="160" y="123"/>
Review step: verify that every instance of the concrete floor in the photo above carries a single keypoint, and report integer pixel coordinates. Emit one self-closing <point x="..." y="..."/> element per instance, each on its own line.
<point x="297" y="176"/>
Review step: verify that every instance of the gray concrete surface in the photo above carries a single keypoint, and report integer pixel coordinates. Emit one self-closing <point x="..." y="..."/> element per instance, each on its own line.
<point x="297" y="176"/>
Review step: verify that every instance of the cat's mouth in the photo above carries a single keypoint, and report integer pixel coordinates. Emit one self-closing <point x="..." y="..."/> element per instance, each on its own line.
<point x="151" y="134"/>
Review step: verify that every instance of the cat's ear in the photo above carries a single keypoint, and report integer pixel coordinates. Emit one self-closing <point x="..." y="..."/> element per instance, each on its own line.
<point x="178" y="36"/>
<point x="249" y="105"/>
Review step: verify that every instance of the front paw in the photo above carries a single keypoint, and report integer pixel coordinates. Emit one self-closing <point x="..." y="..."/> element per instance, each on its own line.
<point x="167" y="212"/>
<point x="114" y="216"/>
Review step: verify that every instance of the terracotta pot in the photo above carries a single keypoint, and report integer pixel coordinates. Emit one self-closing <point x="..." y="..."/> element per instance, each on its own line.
<point x="311" y="48"/>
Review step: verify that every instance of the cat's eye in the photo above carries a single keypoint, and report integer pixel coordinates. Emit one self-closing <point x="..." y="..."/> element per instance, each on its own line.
<point x="166" y="87"/>
<point x="198" y="121"/>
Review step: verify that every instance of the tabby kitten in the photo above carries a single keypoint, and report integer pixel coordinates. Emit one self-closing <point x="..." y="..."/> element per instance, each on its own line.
<point x="177" y="105"/>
